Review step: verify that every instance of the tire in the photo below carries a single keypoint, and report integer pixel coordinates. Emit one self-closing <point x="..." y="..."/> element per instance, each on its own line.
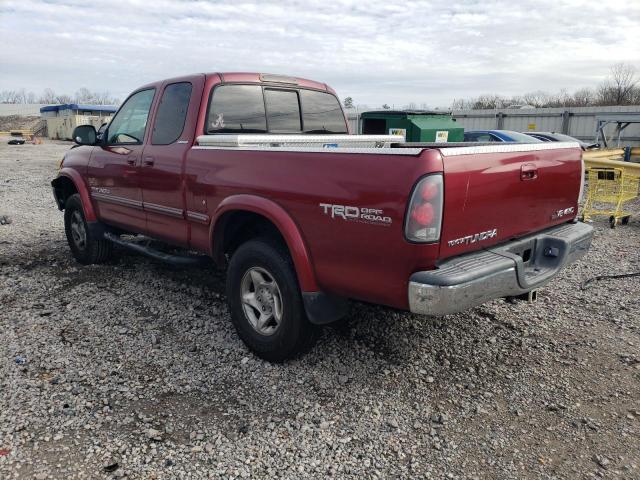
<point x="84" y="247"/>
<point x="261" y="271"/>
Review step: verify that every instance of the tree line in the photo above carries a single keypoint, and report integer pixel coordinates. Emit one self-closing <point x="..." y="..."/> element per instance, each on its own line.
<point x="49" y="96"/>
<point x="621" y="87"/>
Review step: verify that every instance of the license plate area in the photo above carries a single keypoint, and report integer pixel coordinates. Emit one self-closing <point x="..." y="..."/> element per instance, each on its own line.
<point x="525" y="250"/>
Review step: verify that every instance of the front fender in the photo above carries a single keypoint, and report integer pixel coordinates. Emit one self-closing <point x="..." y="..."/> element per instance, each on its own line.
<point x="284" y="223"/>
<point x="81" y="187"/>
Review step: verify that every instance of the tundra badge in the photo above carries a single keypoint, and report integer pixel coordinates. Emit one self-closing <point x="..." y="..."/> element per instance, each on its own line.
<point x="476" y="237"/>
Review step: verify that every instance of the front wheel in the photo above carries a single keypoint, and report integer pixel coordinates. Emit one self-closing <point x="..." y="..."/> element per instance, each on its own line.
<point x="85" y="248"/>
<point x="265" y="302"/>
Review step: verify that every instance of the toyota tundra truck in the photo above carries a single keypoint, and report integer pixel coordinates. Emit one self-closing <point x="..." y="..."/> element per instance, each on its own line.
<point x="260" y="173"/>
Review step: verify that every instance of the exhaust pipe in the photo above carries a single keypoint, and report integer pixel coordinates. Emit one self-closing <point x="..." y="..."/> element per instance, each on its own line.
<point x="530" y="297"/>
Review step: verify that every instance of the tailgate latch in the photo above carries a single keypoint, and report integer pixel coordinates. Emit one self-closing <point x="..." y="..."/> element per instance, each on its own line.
<point x="528" y="171"/>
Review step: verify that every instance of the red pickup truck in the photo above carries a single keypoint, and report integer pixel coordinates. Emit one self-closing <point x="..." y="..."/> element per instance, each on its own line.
<point x="259" y="173"/>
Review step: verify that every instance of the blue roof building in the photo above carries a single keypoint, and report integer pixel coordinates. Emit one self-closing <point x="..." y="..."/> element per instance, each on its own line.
<point x="63" y="119"/>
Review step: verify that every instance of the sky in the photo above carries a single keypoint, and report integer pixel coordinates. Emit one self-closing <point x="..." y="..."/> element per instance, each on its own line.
<point x="423" y="52"/>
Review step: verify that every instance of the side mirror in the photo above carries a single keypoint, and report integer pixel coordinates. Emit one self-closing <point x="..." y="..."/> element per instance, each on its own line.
<point x="85" y="135"/>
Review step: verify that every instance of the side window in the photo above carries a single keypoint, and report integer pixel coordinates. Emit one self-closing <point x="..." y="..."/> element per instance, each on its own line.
<point x="484" y="137"/>
<point x="321" y="113"/>
<point x="237" y="109"/>
<point x="130" y="123"/>
<point x="172" y="113"/>
<point x="470" y="137"/>
<point x="283" y="110"/>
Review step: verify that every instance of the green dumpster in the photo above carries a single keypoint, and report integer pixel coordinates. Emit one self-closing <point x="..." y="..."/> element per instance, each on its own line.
<point x="415" y="125"/>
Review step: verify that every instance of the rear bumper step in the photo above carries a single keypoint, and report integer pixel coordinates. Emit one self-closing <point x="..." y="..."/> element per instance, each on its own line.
<point x="507" y="270"/>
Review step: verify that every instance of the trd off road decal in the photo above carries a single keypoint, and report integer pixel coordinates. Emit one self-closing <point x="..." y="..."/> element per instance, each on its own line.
<point x="374" y="216"/>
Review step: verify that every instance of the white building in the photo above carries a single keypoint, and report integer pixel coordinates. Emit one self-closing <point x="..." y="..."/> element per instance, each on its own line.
<point x="62" y="119"/>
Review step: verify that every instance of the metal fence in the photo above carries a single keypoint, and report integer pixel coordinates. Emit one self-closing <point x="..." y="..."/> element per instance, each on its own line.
<point x="579" y="122"/>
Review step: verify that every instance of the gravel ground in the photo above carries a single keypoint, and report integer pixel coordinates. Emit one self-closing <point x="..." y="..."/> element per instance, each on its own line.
<point x="133" y="369"/>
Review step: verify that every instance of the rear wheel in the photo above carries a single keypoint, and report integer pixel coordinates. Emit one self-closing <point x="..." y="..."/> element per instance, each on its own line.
<point x="265" y="302"/>
<point x="84" y="247"/>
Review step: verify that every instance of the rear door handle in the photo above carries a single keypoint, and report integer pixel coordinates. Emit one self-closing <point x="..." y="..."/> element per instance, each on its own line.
<point x="131" y="160"/>
<point x="528" y="171"/>
<point x="149" y="161"/>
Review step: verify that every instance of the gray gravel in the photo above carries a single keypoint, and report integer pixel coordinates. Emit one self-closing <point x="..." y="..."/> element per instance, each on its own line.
<point x="132" y="369"/>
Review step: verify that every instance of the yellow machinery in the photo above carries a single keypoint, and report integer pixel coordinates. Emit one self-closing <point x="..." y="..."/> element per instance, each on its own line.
<point x="607" y="191"/>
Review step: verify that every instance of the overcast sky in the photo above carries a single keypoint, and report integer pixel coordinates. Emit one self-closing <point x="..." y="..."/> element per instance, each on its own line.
<point x="374" y="51"/>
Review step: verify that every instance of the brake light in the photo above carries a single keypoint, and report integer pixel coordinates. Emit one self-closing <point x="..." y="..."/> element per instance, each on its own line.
<point x="582" y="180"/>
<point x="424" y="216"/>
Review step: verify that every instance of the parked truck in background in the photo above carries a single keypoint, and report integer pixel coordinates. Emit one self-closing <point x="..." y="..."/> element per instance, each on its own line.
<point x="258" y="172"/>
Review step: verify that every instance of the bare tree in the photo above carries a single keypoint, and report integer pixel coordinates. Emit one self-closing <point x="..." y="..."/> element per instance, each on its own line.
<point x="63" y="99"/>
<point x="585" y="97"/>
<point x="84" y="95"/>
<point x="620" y="88"/>
<point x="48" y="96"/>
<point x="490" y="101"/>
<point x="624" y="81"/>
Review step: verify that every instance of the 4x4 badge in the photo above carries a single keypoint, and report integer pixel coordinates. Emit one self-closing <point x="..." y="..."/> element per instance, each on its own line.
<point x="562" y="213"/>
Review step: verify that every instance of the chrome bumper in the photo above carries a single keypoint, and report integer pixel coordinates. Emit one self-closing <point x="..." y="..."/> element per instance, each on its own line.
<point x="509" y="269"/>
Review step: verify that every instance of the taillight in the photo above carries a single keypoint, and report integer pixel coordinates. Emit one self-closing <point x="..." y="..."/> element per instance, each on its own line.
<point x="424" y="217"/>
<point x="582" y="180"/>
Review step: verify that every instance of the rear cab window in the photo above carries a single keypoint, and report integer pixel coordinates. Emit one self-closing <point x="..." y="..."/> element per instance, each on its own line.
<point x="283" y="111"/>
<point x="238" y="108"/>
<point x="321" y="113"/>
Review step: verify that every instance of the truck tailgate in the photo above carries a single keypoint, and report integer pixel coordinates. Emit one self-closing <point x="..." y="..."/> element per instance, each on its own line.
<point x="496" y="193"/>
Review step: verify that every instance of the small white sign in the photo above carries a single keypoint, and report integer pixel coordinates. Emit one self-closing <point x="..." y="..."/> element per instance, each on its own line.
<point x="398" y="131"/>
<point x="442" y="136"/>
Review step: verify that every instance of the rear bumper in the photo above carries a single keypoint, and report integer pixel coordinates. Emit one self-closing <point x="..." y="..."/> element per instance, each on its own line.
<point x="509" y="269"/>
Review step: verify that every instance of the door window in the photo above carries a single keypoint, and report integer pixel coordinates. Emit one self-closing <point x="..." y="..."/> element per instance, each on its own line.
<point x="283" y="111"/>
<point x="130" y="123"/>
<point x="172" y="113"/>
<point x="237" y="109"/>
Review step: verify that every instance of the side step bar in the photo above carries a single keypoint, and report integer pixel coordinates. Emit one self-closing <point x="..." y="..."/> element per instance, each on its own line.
<point x="177" y="260"/>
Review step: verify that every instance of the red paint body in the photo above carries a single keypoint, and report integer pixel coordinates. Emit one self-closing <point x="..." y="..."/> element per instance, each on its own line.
<point x="356" y="260"/>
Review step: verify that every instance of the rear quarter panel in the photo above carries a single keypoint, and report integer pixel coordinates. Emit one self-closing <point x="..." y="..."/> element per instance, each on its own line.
<point x="351" y="258"/>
